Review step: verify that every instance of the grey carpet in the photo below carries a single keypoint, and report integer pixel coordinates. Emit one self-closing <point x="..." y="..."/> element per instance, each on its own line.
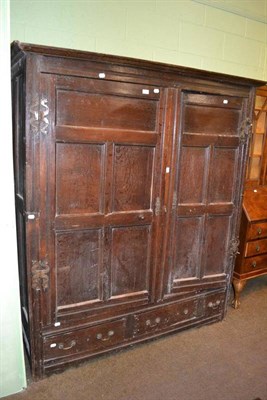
<point x="223" y="361"/>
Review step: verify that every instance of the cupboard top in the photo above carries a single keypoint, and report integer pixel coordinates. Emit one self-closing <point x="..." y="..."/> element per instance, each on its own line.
<point x="18" y="49"/>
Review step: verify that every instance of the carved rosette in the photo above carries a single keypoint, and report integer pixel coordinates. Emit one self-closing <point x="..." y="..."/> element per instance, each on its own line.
<point x="245" y="130"/>
<point x="40" y="277"/>
<point x="39" y="112"/>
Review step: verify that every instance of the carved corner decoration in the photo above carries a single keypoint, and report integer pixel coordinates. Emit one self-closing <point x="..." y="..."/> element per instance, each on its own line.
<point x="245" y="130"/>
<point x="39" y="112"/>
<point x="233" y="247"/>
<point x="40" y="278"/>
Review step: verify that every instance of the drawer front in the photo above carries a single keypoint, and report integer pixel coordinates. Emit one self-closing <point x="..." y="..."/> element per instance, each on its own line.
<point x="89" y="340"/>
<point x="257" y="231"/>
<point x="254" y="263"/>
<point x="214" y="304"/>
<point x="164" y="317"/>
<point x="256" y="247"/>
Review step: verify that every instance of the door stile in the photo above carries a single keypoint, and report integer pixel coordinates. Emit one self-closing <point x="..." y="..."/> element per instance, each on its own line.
<point x="169" y="196"/>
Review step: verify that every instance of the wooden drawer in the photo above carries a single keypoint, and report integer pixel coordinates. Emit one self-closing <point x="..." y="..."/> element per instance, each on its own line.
<point x="214" y="304"/>
<point x="256" y="247"/>
<point x="164" y="317"/>
<point x="257" y="231"/>
<point x="91" y="340"/>
<point x="254" y="263"/>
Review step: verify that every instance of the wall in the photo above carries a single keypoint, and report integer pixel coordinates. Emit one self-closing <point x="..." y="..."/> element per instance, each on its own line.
<point x="225" y="36"/>
<point x="12" y="370"/>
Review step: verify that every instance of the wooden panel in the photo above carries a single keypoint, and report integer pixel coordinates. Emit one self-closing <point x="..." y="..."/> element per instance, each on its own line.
<point x="213" y="100"/>
<point x="163" y="317"/>
<point x="90" y="340"/>
<point x="79" y="178"/>
<point x="192" y="174"/>
<point x="211" y="120"/>
<point x="216" y="244"/>
<point x="222" y="179"/>
<point x="101" y="110"/>
<point x="133" y="169"/>
<point x="187" y="248"/>
<point x="257" y="231"/>
<point x="254" y="263"/>
<point x="78" y="266"/>
<point x="130" y="259"/>
<point x="256" y="247"/>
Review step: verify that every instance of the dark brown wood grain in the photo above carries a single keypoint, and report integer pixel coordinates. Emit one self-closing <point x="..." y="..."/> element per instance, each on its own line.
<point x="128" y="182"/>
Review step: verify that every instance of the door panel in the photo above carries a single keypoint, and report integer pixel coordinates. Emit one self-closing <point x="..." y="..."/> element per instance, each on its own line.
<point x="133" y="167"/>
<point x="130" y="260"/>
<point x="206" y="172"/>
<point x="79" y="178"/>
<point x="101" y="230"/>
<point x="192" y="175"/>
<point x="78" y="266"/>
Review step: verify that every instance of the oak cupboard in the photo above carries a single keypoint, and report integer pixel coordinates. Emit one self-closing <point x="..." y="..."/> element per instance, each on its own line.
<point x="128" y="182"/>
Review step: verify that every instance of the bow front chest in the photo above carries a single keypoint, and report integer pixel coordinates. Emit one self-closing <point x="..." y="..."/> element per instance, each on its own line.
<point x="128" y="182"/>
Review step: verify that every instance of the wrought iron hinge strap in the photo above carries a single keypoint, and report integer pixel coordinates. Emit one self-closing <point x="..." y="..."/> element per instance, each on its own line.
<point x="245" y="130"/>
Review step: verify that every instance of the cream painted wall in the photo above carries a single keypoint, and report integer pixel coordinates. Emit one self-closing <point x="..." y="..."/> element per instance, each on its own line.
<point x="227" y="36"/>
<point x="12" y="369"/>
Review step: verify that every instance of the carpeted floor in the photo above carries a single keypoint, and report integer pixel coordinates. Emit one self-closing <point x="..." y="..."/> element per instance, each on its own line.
<point x="223" y="361"/>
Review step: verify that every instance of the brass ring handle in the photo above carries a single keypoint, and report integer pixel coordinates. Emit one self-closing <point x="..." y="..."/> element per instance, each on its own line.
<point x="259" y="231"/>
<point x="141" y="217"/>
<point x="257" y="248"/>
<point x="99" y="336"/>
<point x="254" y="264"/>
<point x="72" y="344"/>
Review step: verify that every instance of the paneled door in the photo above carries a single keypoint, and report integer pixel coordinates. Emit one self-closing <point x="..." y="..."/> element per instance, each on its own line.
<point x="207" y="173"/>
<point x="100" y="177"/>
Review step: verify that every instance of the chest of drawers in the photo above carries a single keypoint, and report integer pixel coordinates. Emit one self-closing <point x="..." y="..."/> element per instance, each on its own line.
<point x="252" y="258"/>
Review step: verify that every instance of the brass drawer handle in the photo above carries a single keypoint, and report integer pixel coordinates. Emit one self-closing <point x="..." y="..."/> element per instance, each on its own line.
<point x="157" y="321"/>
<point x="72" y="344"/>
<point x="99" y="336"/>
<point x="259" y="231"/>
<point x="254" y="264"/>
<point x="257" y="248"/>
<point x="214" y="305"/>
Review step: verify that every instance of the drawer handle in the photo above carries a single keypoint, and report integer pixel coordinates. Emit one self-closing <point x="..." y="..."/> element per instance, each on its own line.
<point x="214" y="305"/>
<point x="257" y="248"/>
<point x="141" y="217"/>
<point x="254" y="264"/>
<point x="259" y="231"/>
<point x="157" y="321"/>
<point x="72" y="344"/>
<point x="99" y="336"/>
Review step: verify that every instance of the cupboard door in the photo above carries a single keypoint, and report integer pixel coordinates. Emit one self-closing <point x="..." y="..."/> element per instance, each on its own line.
<point x="207" y="172"/>
<point x="99" y="181"/>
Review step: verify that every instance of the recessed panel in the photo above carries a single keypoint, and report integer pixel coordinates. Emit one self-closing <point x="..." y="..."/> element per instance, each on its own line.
<point x="79" y="177"/>
<point x="211" y="120"/>
<point x="133" y="171"/>
<point x="78" y="266"/>
<point x="187" y="260"/>
<point x="105" y="111"/>
<point x="222" y="178"/>
<point x="130" y="260"/>
<point x="216" y="244"/>
<point x="192" y="174"/>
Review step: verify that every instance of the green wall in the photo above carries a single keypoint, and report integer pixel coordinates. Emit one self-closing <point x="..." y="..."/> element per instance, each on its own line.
<point x="12" y="369"/>
<point x="227" y="36"/>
